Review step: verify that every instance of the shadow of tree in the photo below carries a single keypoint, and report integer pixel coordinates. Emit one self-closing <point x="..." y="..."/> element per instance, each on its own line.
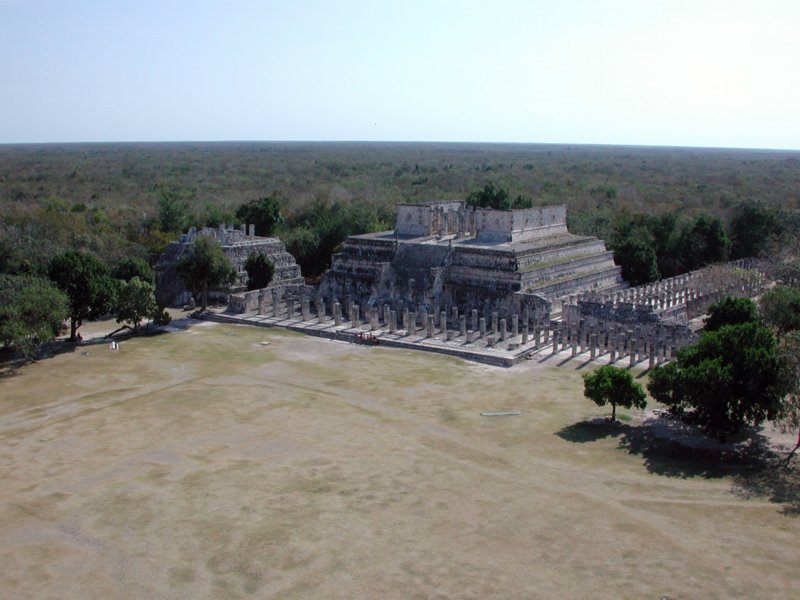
<point x="668" y="450"/>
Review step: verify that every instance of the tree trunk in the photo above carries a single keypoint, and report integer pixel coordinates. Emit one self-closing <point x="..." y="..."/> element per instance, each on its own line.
<point x="205" y="295"/>
<point x="613" y="411"/>
<point x="791" y="454"/>
<point x="73" y="329"/>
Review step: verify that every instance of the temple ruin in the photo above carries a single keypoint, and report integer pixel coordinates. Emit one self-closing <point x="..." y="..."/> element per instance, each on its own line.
<point x="446" y="254"/>
<point x="496" y="287"/>
<point x="237" y="244"/>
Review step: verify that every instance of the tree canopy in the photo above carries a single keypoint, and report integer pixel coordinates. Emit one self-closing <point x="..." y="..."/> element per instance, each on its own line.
<point x="264" y="213"/>
<point x="638" y="261"/>
<point x="615" y="386"/>
<point x="731" y="311"/>
<point x="129" y="268"/>
<point x="32" y="312"/>
<point x="205" y="265"/>
<point x="260" y="270"/>
<point x="780" y="307"/>
<point x="136" y="301"/>
<point x="85" y="280"/>
<point x="731" y="377"/>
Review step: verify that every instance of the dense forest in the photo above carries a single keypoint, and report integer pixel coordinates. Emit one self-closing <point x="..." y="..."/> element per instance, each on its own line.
<point x="97" y="207"/>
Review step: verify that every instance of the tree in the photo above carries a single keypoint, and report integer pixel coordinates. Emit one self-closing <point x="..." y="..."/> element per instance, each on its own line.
<point x="704" y="242"/>
<point x="615" y="386"/>
<point x="129" y="268"/>
<point x="789" y="419"/>
<point x="173" y="215"/>
<point x="85" y="280"/>
<point x="780" y="307"/>
<point x="753" y="227"/>
<point x="205" y="265"/>
<point x="260" y="270"/>
<point x="731" y="311"/>
<point x="136" y="301"/>
<point x="638" y="261"/>
<point x="264" y="213"/>
<point x="732" y="376"/>
<point x="32" y="312"/>
<point x="489" y="197"/>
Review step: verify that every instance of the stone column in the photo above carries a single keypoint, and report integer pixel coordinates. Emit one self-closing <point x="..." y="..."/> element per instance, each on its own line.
<point x="495" y="317"/>
<point x="320" y="310"/>
<point x="290" y="309"/>
<point x="555" y="341"/>
<point x="462" y="325"/>
<point x="515" y="326"/>
<point x="524" y="334"/>
<point x="474" y="320"/>
<point x="443" y="325"/>
<point x="276" y="299"/>
<point x="305" y="308"/>
<point x="593" y="346"/>
<point x="337" y="314"/>
<point x="574" y="346"/>
<point x="526" y="317"/>
<point x="482" y="326"/>
<point x="632" y="352"/>
<point x="454" y="312"/>
<point x="430" y="326"/>
<point x="536" y="335"/>
<point x="355" y="317"/>
<point x="502" y="330"/>
<point x="406" y="319"/>
<point x="470" y="336"/>
<point x="392" y="321"/>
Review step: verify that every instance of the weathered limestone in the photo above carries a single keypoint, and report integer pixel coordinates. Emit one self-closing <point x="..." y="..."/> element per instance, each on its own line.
<point x="514" y="326"/>
<point x="337" y="314"/>
<point x="443" y="325"/>
<point x="474" y="320"/>
<point x="524" y="334"/>
<point x="502" y="330"/>
<point x="462" y="325"/>
<point x="482" y="326"/>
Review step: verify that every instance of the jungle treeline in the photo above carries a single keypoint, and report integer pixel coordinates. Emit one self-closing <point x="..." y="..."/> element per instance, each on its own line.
<point x="663" y="210"/>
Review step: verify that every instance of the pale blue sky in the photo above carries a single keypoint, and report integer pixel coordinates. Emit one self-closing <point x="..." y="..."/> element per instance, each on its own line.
<point x="685" y="73"/>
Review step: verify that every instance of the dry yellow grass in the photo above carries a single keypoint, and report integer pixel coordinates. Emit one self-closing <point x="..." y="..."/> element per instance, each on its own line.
<point x="202" y="464"/>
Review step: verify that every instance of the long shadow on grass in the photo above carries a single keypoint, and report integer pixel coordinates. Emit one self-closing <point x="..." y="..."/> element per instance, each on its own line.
<point x="756" y="470"/>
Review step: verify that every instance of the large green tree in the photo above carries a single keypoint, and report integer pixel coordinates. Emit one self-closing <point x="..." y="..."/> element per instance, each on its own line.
<point x="205" y="266"/>
<point x="131" y="267"/>
<point x="732" y="376"/>
<point x="136" y="301"/>
<point x="264" y="213"/>
<point x="703" y="242"/>
<point x="780" y="307"/>
<point x="87" y="283"/>
<point x="637" y="260"/>
<point x="731" y="311"/>
<point x="32" y="312"/>
<point x="490" y="197"/>
<point x="615" y="386"/>
<point x="754" y="227"/>
<point x="260" y="270"/>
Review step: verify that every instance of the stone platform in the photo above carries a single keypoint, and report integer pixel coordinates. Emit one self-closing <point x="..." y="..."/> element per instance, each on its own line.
<point x="486" y="349"/>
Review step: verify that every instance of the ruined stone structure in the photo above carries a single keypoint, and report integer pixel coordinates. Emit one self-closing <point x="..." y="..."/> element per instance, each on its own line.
<point x="495" y="287"/>
<point x="237" y="244"/>
<point x="446" y="255"/>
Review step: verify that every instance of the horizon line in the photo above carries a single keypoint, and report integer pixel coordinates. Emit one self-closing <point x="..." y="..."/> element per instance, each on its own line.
<point x="400" y="142"/>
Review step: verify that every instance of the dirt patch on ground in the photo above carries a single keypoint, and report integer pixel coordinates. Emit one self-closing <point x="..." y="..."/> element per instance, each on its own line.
<point x="205" y="464"/>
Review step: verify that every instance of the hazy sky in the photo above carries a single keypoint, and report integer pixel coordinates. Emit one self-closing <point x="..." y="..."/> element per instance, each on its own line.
<point x="655" y="72"/>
